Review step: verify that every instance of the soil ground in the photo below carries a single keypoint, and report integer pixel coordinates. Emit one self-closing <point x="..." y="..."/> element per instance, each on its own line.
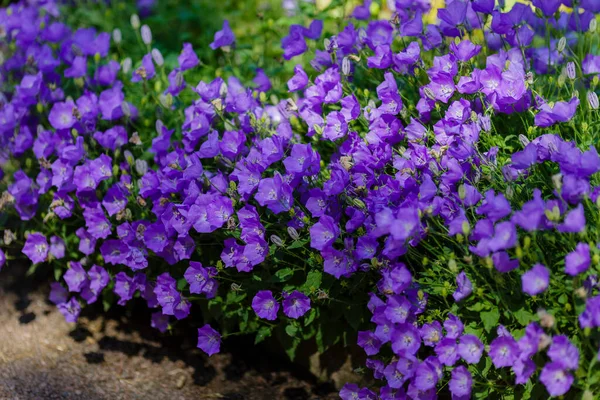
<point x="117" y="355"/>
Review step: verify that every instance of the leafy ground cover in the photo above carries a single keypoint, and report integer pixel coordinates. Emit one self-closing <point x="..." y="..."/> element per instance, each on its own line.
<point x="421" y="182"/>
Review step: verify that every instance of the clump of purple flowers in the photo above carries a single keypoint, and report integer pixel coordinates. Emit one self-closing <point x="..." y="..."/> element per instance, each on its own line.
<point x="429" y="191"/>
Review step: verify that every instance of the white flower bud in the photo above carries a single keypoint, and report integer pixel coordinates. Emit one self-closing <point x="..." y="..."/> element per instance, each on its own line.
<point x="126" y="65"/>
<point x="346" y="66"/>
<point x="157" y="57"/>
<point x="126" y="109"/>
<point x="135" y="21"/>
<point x="146" y="34"/>
<point x="571" y="72"/>
<point x="141" y="166"/>
<point x="117" y="36"/>
<point x="593" y="25"/>
<point x="562" y="43"/>
<point x="592" y="99"/>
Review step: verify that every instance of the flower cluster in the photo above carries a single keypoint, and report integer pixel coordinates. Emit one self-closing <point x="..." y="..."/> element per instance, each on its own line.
<point x="432" y="185"/>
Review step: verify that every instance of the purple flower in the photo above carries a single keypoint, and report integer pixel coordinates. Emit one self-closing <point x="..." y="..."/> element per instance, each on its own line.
<point x="503" y="263"/>
<point x="405" y="338"/>
<point x="574" y="221"/>
<point x="97" y="280"/>
<point x="2" y="259"/>
<point x="275" y="194"/>
<point x="76" y="277"/>
<point x="70" y="309"/>
<point x="77" y="69"/>
<point x="523" y="369"/>
<point x="460" y="383"/>
<point x="464" y="289"/>
<point x="188" y="58"/>
<point x="124" y="288"/>
<point x="446" y="351"/>
<point x="62" y="115"/>
<point x="494" y="207"/>
<point x="263" y="84"/>
<point x="431" y="333"/>
<point x="209" y="340"/>
<point x="560" y="112"/>
<point x="548" y="7"/>
<point x="146" y="71"/>
<point x="536" y="280"/>
<point x="503" y="351"/>
<point x="87" y="243"/>
<point x="556" y="379"/>
<point x="36" y="248"/>
<point x="454" y="327"/>
<point x="160" y="321"/>
<point x="470" y="348"/>
<point x="427" y="375"/>
<point x="398" y="309"/>
<point x="324" y="233"/>
<point x="265" y="305"/>
<point x="563" y="352"/>
<point x="578" y="261"/>
<point x="58" y="294"/>
<point x="295" y="304"/>
<point x="299" y="80"/>
<point x="369" y="342"/>
<point x="224" y="37"/>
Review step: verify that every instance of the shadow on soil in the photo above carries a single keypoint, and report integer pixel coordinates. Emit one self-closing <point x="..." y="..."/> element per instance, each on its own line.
<point x="134" y="319"/>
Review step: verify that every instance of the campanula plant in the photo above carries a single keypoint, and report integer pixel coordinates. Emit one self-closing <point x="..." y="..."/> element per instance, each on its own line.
<point x="420" y="183"/>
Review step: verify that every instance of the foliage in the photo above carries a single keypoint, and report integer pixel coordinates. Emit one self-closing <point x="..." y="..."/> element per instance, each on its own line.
<point x="421" y="182"/>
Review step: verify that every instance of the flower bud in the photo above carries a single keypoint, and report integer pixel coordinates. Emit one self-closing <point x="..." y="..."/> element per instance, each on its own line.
<point x="452" y="265"/>
<point x="157" y="57"/>
<point x="141" y="166"/>
<point x="466" y="228"/>
<point x="485" y="122"/>
<point x="524" y="140"/>
<point x="562" y="43"/>
<point x="571" y="72"/>
<point x="557" y="181"/>
<point x="166" y="100"/>
<point x="128" y="157"/>
<point x="581" y="292"/>
<point x="146" y="34"/>
<point x="126" y="109"/>
<point x="126" y="65"/>
<point x="293" y="233"/>
<point x="593" y="25"/>
<point x="592" y="99"/>
<point x="429" y="93"/>
<point x="117" y="36"/>
<point x="544" y="341"/>
<point x="346" y="66"/>
<point x="546" y="320"/>
<point x="276" y="240"/>
<point x="135" y="21"/>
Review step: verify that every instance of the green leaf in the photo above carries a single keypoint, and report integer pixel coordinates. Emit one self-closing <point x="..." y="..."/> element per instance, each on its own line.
<point x="477" y="307"/>
<point x="354" y="316"/>
<point x="291" y="330"/>
<point x="291" y="349"/>
<point x="181" y="284"/>
<point x="57" y="273"/>
<point x="297" y="244"/>
<point x="523" y="316"/>
<point x="313" y="281"/>
<point x="284" y="274"/>
<point x="310" y="317"/>
<point x="263" y="333"/>
<point x="490" y="319"/>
